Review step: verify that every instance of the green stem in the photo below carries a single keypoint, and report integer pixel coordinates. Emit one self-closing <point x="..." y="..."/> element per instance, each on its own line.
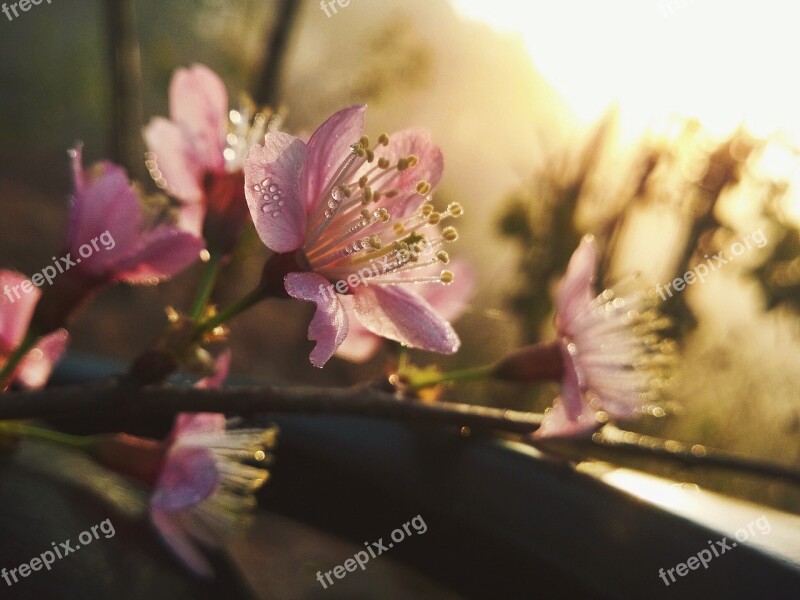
<point x="48" y="435"/>
<point x="227" y="313"/>
<point x="471" y="374"/>
<point x="209" y="278"/>
<point x="13" y="361"/>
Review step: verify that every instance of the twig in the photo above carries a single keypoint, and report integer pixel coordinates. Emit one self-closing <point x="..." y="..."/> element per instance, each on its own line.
<point x="267" y="87"/>
<point x="110" y="397"/>
<point x="126" y="73"/>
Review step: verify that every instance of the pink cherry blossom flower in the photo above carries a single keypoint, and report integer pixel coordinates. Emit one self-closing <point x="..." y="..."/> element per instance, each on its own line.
<point x="449" y="301"/>
<point x="612" y="357"/>
<point x="34" y="369"/>
<point x="108" y="241"/>
<point x="198" y="154"/>
<point x="205" y="488"/>
<point x="358" y="219"/>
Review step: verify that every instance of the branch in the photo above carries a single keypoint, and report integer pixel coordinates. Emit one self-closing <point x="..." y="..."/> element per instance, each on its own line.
<point x="266" y="89"/>
<point x="112" y="397"/>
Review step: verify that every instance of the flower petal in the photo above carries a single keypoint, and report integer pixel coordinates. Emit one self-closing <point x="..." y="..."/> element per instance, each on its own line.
<point x="328" y="147"/>
<point x="576" y="291"/>
<point x="557" y="422"/>
<point x="189" y="476"/>
<point x="402" y="143"/>
<point x="222" y="367"/>
<point x="573" y="382"/>
<point x="270" y="171"/>
<point x="329" y="325"/>
<point x="15" y="313"/>
<point x="104" y="200"/>
<point x="198" y="102"/>
<point x="175" y="158"/>
<point x="162" y="253"/>
<point x="360" y="343"/>
<point x="35" y="367"/>
<point x="400" y="315"/>
<point x="180" y="543"/>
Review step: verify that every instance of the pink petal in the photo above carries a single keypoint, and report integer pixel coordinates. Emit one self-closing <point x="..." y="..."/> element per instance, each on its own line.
<point x="573" y="382"/>
<point x="360" y="343"/>
<point x="450" y="300"/>
<point x="222" y="366"/>
<point x="429" y="168"/>
<point x="279" y="163"/>
<point x="328" y="147"/>
<point x="400" y="315"/>
<point x="15" y="313"/>
<point x="576" y="290"/>
<point x="558" y="424"/>
<point x="191" y="217"/>
<point x="198" y="102"/>
<point x="329" y="325"/>
<point x="36" y="366"/>
<point x="162" y="253"/>
<point x="188" y="477"/>
<point x="103" y="201"/>
<point x="180" y="543"/>
<point x="176" y="159"/>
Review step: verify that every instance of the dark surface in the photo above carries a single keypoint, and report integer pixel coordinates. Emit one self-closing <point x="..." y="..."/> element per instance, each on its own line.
<point x="502" y="523"/>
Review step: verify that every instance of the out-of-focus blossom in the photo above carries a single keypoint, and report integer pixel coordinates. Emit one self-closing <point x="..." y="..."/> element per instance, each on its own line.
<point x="16" y="309"/>
<point x="204" y="476"/>
<point x="449" y="301"/>
<point x="198" y="153"/>
<point x="109" y="241"/>
<point x="609" y="354"/>
<point x="355" y="219"/>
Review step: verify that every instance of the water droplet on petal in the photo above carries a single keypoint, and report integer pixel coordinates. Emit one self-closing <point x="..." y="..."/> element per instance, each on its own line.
<point x="265" y="208"/>
<point x="276" y="197"/>
<point x="257" y="188"/>
<point x="276" y="213"/>
<point x="265" y="182"/>
<point x="281" y="203"/>
<point x="273" y="188"/>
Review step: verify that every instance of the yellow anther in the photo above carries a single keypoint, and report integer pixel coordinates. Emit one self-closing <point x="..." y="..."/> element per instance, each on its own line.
<point x="375" y="242"/>
<point x="413" y="160"/>
<point x="383" y="139"/>
<point x="364" y="141"/>
<point x="426" y="209"/>
<point x="383" y="215"/>
<point x="366" y="214"/>
<point x="359" y="150"/>
<point x="450" y="234"/>
<point x="376" y="196"/>
<point x="402" y="164"/>
<point x="454" y="209"/>
<point x="370" y="155"/>
<point x="367" y="194"/>
<point x="399" y="229"/>
<point x="443" y="257"/>
<point x="383" y="162"/>
<point x="434" y="218"/>
<point x="345" y="190"/>
<point x="446" y="277"/>
<point x="362" y="182"/>
<point x="423" y="187"/>
<point x="391" y="193"/>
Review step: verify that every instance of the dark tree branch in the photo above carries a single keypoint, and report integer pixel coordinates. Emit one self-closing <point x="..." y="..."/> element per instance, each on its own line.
<point x="126" y="73"/>
<point x="110" y="397"/>
<point x="266" y="90"/>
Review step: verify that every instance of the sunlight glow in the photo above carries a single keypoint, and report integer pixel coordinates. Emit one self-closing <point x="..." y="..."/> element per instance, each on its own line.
<point x="724" y="63"/>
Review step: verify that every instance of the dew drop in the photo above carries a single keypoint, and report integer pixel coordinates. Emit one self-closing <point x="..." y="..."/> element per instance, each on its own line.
<point x="265" y="208"/>
<point x="257" y="187"/>
<point x="276" y="213"/>
<point x="266" y="182"/>
<point x="328" y="214"/>
<point x="281" y="203"/>
<point x="273" y="188"/>
<point x="333" y="203"/>
<point x="276" y="197"/>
